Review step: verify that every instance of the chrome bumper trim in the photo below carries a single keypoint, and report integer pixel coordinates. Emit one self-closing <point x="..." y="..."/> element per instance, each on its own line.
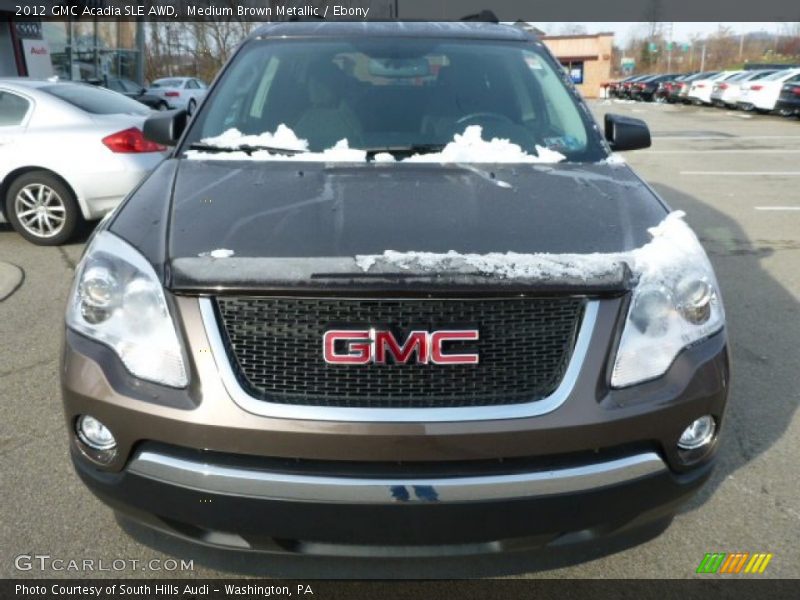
<point x="398" y="415"/>
<point x="218" y="479"/>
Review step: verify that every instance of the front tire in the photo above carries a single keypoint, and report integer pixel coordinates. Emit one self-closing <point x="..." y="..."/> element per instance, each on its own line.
<point x="42" y="209"/>
<point x="190" y="108"/>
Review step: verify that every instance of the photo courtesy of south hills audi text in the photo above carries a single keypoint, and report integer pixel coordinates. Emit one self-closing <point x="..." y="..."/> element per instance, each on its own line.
<point x="165" y="590"/>
<point x="395" y="289"/>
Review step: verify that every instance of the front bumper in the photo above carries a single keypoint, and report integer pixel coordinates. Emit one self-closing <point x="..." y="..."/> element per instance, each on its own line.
<point x="290" y="513"/>
<point x="196" y="463"/>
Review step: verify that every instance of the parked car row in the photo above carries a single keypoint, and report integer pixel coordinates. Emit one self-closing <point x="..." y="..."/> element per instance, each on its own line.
<point x="760" y="90"/>
<point x="164" y="94"/>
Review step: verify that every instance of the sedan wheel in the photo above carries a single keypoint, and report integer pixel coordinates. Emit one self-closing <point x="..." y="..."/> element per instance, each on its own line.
<point x="191" y="107"/>
<point x="42" y="209"/>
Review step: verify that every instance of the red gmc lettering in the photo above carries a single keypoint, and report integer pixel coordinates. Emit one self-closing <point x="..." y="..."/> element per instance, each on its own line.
<point x="437" y="353"/>
<point x="360" y="347"/>
<point x="417" y="342"/>
<point x="360" y="352"/>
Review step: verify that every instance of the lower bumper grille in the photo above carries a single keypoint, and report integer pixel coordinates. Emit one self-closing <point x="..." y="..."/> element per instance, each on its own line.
<point x="275" y="347"/>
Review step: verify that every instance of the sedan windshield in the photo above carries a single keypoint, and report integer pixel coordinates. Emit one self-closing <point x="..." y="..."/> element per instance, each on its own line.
<point x="387" y="95"/>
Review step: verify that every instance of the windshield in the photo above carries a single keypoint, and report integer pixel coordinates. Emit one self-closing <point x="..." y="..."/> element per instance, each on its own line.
<point x="398" y="93"/>
<point x="97" y="101"/>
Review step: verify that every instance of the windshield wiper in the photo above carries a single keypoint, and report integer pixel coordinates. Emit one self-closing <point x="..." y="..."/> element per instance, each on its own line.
<point x="406" y="150"/>
<point x="246" y="148"/>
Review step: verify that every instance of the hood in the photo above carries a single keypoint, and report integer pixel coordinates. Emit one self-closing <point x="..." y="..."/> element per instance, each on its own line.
<point x="227" y="214"/>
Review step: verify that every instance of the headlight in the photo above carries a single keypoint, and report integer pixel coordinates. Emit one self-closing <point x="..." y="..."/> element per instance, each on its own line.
<point x="675" y="304"/>
<point x="118" y="300"/>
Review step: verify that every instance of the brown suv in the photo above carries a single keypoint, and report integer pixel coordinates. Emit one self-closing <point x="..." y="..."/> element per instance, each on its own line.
<point x="392" y="287"/>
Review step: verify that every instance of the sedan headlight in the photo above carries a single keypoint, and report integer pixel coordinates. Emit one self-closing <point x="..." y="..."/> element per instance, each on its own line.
<point x="675" y="304"/>
<point x="118" y="300"/>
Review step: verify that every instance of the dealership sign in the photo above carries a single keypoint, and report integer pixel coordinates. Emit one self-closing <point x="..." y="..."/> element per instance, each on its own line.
<point x="37" y="58"/>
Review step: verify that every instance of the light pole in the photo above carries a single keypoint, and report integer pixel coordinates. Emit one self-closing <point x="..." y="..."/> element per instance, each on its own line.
<point x="669" y="49"/>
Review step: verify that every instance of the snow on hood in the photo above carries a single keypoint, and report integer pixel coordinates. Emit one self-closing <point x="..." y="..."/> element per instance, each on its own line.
<point x="673" y="249"/>
<point x="509" y="265"/>
<point x="613" y="159"/>
<point x="282" y="138"/>
<point x="468" y="147"/>
<point x="673" y="246"/>
<point x="471" y="147"/>
<point x="218" y="253"/>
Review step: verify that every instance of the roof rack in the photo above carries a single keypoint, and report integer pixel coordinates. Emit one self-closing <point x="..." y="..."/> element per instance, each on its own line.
<point x="486" y="16"/>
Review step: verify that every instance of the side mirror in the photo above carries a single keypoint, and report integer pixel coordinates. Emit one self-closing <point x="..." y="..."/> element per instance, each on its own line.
<point x="165" y="128"/>
<point x="142" y="91"/>
<point x="626" y="133"/>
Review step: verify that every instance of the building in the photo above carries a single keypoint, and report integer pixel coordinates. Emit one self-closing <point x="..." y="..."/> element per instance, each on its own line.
<point x="79" y="49"/>
<point x="587" y="59"/>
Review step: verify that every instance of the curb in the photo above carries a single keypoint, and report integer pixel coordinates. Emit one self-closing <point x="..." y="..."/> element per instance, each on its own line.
<point x="10" y="279"/>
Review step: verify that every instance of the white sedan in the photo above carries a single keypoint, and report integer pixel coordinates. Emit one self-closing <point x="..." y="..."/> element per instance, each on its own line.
<point x="726" y="93"/>
<point x="179" y="92"/>
<point x="68" y="152"/>
<point x="762" y="95"/>
<point x="701" y="89"/>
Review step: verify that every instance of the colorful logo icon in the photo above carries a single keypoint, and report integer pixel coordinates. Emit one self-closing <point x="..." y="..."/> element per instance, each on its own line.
<point x="734" y="562"/>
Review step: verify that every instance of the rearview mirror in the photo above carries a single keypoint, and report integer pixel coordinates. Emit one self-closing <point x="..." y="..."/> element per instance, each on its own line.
<point x="397" y="68"/>
<point x="626" y="133"/>
<point x="165" y="128"/>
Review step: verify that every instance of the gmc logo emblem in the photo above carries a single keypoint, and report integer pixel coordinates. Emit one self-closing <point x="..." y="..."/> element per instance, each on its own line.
<point x="371" y="346"/>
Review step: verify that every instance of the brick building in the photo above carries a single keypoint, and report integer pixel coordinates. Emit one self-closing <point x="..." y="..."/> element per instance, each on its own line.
<point x="587" y="59"/>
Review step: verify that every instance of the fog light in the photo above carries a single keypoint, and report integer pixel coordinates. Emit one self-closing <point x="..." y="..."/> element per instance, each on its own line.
<point x="94" y="434"/>
<point x="698" y="434"/>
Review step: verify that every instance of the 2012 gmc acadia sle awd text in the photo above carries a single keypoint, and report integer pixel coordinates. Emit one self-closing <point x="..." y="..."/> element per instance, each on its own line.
<point x="393" y="287"/>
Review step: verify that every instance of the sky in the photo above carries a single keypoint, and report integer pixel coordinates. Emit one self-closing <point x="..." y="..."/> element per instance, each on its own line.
<point x="681" y="31"/>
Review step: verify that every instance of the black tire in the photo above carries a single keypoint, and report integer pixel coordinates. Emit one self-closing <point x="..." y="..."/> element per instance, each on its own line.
<point x="23" y="195"/>
<point x="162" y="106"/>
<point x="190" y="108"/>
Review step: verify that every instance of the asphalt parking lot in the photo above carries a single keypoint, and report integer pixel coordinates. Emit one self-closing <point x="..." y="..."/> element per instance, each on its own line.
<point x="736" y="176"/>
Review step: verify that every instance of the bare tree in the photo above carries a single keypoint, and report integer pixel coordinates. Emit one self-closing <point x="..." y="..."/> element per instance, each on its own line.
<point x="195" y="48"/>
<point x="572" y="29"/>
